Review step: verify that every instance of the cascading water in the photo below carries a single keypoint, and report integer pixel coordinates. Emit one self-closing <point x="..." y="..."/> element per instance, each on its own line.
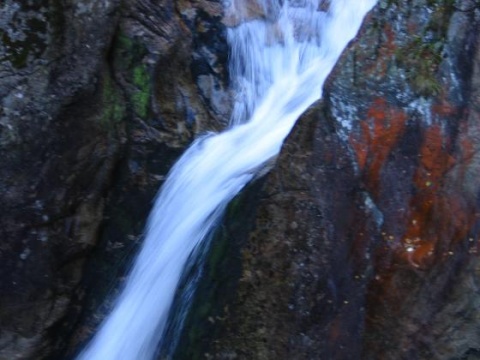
<point x="280" y="65"/>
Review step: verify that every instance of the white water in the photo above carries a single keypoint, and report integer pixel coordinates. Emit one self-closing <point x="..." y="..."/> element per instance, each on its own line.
<point x="280" y="67"/>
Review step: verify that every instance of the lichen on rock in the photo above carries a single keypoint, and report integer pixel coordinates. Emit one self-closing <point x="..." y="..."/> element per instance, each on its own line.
<point x="363" y="239"/>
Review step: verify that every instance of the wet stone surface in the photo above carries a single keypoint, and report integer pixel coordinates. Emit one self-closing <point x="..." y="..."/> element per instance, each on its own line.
<point x="361" y="243"/>
<point x="365" y="243"/>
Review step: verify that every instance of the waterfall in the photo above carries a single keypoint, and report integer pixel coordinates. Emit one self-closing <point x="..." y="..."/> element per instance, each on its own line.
<point x="279" y="63"/>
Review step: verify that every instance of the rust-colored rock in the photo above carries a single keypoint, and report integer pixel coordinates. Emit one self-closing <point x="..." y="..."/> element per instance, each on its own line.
<point x="366" y="241"/>
<point x="366" y="237"/>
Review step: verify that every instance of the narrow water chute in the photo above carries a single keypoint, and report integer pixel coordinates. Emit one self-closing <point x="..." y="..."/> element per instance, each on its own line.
<point x="279" y="66"/>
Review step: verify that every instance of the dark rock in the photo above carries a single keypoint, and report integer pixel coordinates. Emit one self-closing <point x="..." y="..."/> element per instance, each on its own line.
<point x="365" y="238"/>
<point x="57" y="161"/>
<point x="98" y="100"/>
<point x="365" y="243"/>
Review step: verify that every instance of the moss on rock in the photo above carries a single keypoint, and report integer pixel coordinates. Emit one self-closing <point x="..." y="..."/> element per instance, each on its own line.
<point x="130" y="55"/>
<point x="422" y="55"/>
<point x="142" y="94"/>
<point x="112" y="104"/>
<point x="222" y="271"/>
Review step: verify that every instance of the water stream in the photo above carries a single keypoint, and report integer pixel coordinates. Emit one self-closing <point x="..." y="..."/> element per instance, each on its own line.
<point x="279" y="64"/>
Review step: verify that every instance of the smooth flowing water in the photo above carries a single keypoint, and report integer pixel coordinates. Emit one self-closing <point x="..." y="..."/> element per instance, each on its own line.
<point x="279" y="65"/>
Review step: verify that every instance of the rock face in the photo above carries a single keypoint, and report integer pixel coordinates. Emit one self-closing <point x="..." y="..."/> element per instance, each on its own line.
<point x="366" y="237"/>
<point x="98" y="98"/>
<point x="362" y="242"/>
<point x="59" y="144"/>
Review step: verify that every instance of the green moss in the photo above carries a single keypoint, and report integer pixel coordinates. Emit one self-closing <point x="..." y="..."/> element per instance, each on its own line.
<point x="113" y="106"/>
<point x="129" y="59"/>
<point x="124" y="42"/>
<point x="217" y="287"/>
<point x="141" y="95"/>
<point x="140" y="77"/>
<point x="422" y="55"/>
<point x="421" y="60"/>
<point x="217" y="253"/>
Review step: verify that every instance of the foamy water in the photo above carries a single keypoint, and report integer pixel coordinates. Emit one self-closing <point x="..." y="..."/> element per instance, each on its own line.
<point x="279" y="67"/>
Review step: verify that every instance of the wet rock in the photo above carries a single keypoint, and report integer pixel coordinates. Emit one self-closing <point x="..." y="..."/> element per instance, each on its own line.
<point x="168" y="60"/>
<point x="57" y="161"/>
<point x="97" y="101"/>
<point x="378" y="180"/>
<point x="365" y="239"/>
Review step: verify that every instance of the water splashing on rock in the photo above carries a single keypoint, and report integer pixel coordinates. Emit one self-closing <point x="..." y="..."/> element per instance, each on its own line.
<point x="280" y="60"/>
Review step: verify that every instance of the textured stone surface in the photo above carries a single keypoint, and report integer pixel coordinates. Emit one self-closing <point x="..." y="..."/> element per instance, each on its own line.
<point x="98" y="99"/>
<point x="365" y="243"/>
<point x="58" y="150"/>
<point x="365" y="237"/>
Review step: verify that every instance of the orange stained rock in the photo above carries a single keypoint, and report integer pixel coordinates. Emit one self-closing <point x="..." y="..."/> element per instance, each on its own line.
<point x="360" y="146"/>
<point x="435" y="159"/>
<point x="377" y="136"/>
<point x="441" y="214"/>
<point x="418" y="255"/>
<point x="436" y="230"/>
<point x="426" y="209"/>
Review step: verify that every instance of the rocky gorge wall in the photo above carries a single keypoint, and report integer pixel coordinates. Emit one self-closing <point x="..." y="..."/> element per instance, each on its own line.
<point x="361" y="243"/>
<point x="365" y="243"/>
<point x="98" y="98"/>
